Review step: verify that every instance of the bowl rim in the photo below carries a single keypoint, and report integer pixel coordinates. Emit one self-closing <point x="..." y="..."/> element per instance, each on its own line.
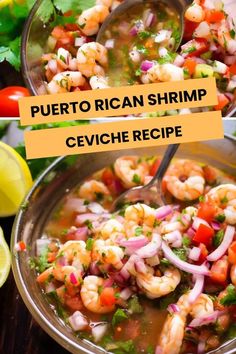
<point x="32" y="306"/>
<point x="25" y="69"/>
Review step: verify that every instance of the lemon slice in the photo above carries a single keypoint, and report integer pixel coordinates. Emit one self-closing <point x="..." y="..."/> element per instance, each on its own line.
<point x="5" y="3"/>
<point x="5" y="259"/>
<point x="15" y="180"/>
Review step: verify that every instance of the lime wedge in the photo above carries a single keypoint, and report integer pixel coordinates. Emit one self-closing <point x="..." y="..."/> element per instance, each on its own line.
<point x="15" y="180"/>
<point x="5" y="259"/>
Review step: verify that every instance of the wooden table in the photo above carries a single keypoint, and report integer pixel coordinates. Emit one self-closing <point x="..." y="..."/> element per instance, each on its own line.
<point x="19" y="333"/>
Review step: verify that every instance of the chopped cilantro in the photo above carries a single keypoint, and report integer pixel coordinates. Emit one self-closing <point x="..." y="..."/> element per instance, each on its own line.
<point x="121" y="347"/>
<point x="166" y="301"/>
<point x="136" y="179"/>
<point x="119" y="316"/>
<point x="58" y="306"/>
<point x="138" y="231"/>
<point x="142" y="49"/>
<point x="186" y="241"/>
<point x="86" y="202"/>
<point x="220" y="218"/>
<point x="138" y="72"/>
<point x="232" y="33"/>
<point x="181" y="253"/>
<point x="89" y="224"/>
<point x="99" y="196"/>
<point x="202" y="199"/>
<point x="164" y="262"/>
<point x="150" y="349"/>
<point x="189" y="50"/>
<point x="231" y="333"/>
<point x="111" y="59"/>
<point x="42" y="262"/>
<point x="134" y="305"/>
<point x="224" y="200"/>
<point x="217" y="239"/>
<point x="230" y="298"/>
<point x="144" y="34"/>
<point x="89" y="244"/>
<point x="168" y="58"/>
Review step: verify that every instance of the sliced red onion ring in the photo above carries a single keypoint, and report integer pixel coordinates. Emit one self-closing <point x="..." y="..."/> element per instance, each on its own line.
<point x="77" y="321"/>
<point x="76" y="205"/>
<point x="198" y="221"/>
<point x="79" y="234"/>
<point x="146" y="65"/>
<point x="126" y="293"/>
<point x="96" y="208"/>
<point x="150" y="19"/>
<point x="82" y="218"/>
<point x="223" y="247"/>
<point x="174" y="238"/>
<point x="204" y="320"/>
<point x="163" y="212"/>
<point x="50" y="287"/>
<point x="179" y="61"/>
<point x="173" y="308"/>
<point x="201" y="346"/>
<point x="194" y="254"/>
<point x="52" y="66"/>
<point x="197" y="289"/>
<point x="187" y="267"/>
<point x="94" y="270"/>
<point x="191" y="232"/>
<point x="151" y="248"/>
<point x="134" y="31"/>
<point x="110" y="43"/>
<point x="134" y="243"/>
<point x="158" y="350"/>
<point x="79" y="41"/>
<point x="73" y="279"/>
<point x="108" y="282"/>
<point x="215" y="225"/>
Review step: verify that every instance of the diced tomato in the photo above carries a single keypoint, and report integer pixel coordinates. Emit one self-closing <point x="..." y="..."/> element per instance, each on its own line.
<point x="206" y="212"/>
<point x="189" y="28"/>
<point x="51" y="256"/>
<point x="232" y="253"/>
<point x="74" y="303"/>
<point x="204" y="235"/>
<point x="219" y="271"/>
<point x="190" y="65"/>
<point x="107" y="297"/>
<point x="195" y="47"/>
<point x="85" y="87"/>
<point x="232" y="69"/>
<point x="204" y="253"/>
<point x="74" y="89"/>
<point x="108" y="176"/>
<point x="154" y="167"/>
<point x="222" y="102"/>
<point x="209" y="174"/>
<point x="213" y="16"/>
<point x="72" y="27"/>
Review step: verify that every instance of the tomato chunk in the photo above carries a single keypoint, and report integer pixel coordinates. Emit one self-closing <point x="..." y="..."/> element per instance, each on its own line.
<point x="154" y="167"/>
<point x="74" y="303"/>
<point x="213" y="16"/>
<point x="204" y="253"/>
<point x="190" y="65"/>
<point x="107" y="297"/>
<point x="204" y="235"/>
<point x="206" y="212"/>
<point x="222" y="102"/>
<point x="195" y="47"/>
<point x="219" y="271"/>
<point x="232" y="253"/>
<point x="189" y="28"/>
<point x="232" y="69"/>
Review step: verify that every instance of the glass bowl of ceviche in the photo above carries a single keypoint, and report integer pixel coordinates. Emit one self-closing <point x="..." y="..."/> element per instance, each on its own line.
<point x="144" y="279"/>
<point x="60" y="52"/>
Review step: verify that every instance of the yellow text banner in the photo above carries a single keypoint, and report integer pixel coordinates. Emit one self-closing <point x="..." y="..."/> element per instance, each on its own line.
<point x="122" y="135"/>
<point x="119" y="101"/>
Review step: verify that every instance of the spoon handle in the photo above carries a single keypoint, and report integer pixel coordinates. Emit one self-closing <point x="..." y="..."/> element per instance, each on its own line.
<point x="169" y="154"/>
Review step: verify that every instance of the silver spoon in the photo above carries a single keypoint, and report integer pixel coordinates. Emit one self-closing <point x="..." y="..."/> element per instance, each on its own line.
<point x="179" y="5"/>
<point x="146" y="193"/>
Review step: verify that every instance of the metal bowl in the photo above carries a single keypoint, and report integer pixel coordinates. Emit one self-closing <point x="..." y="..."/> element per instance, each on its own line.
<point x="34" y="39"/>
<point x="62" y="176"/>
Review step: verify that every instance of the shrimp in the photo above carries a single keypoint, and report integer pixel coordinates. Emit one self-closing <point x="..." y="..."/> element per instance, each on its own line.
<point x="185" y="180"/>
<point x="111" y="229"/>
<point x="98" y="82"/>
<point x="164" y="73"/>
<point x="64" y="274"/>
<point x="172" y="334"/>
<point x="104" y="252"/>
<point x="91" y="58"/>
<point x="154" y="286"/>
<point x="63" y="81"/>
<point x="139" y="215"/>
<point x="224" y="197"/>
<point x="90" y="20"/>
<point x="131" y="171"/>
<point x="93" y="190"/>
<point x="225" y="39"/>
<point x="90" y="295"/>
<point x="195" y="13"/>
<point x="76" y="254"/>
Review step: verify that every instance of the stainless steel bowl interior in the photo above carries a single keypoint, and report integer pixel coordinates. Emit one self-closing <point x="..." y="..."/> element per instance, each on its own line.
<point x="62" y="176"/>
<point x="33" y="45"/>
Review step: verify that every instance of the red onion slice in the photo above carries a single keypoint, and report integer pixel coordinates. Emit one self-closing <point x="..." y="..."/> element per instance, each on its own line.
<point x="215" y="225"/>
<point x="146" y="65"/>
<point x="204" y="320"/>
<point x="223" y="247"/>
<point x="99" y="331"/>
<point x="163" y="212"/>
<point x="126" y="293"/>
<point x="81" y="219"/>
<point x="75" y="205"/>
<point x="197" y="222"/>
<point x="194" y="254"/>
<point x="187" y="267"/>
<point x="134" y="243"/>
<point x="151" y="248"/>
<point x="110" y="43"/>
<point x="173" y="308"/>
<point x="197" y="289"/>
